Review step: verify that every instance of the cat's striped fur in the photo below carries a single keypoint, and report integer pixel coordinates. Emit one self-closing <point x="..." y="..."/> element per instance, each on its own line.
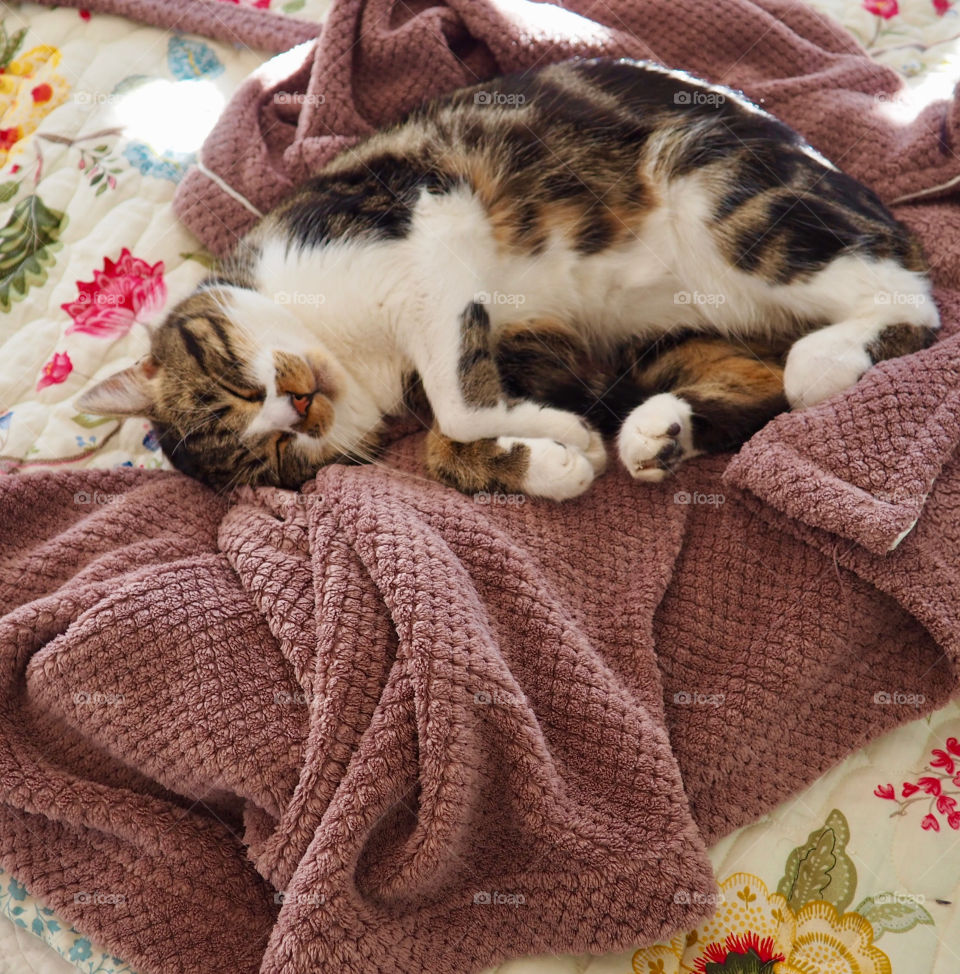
<point x="592" y="247"/>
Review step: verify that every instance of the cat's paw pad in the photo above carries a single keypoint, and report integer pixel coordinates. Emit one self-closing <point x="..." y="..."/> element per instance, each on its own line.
<point x="554" y="470"/>
<point x="822" y="364"/>
<point x="656" y="437"/>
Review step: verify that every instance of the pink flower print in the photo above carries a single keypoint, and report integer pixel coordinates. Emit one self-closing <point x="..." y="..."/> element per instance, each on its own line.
<point x="943" y="760"/>
<point x="946" y="805"/>
<point x="55" y="371"/>
<point x="933" y="790"/>
<point x="882" y="8"/>
<point x="108" y="305"/>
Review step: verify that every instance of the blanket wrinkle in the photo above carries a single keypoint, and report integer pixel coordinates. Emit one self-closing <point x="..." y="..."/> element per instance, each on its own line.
<point x="479" y="716"/>
<point x="377" y="725"/>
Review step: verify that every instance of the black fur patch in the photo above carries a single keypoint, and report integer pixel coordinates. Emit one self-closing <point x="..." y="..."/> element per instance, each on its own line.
<point x="375" y="200"/>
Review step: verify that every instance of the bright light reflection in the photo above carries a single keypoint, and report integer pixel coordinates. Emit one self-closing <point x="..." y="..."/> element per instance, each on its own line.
<point x="936" y="83"/>
<point x="170" y="116"/>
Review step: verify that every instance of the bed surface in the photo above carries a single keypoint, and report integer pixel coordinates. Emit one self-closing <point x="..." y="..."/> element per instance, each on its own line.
<point x="91" y="252"/>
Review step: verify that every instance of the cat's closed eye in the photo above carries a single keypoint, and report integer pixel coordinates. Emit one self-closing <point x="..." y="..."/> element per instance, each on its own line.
<point x="247" y="395"/>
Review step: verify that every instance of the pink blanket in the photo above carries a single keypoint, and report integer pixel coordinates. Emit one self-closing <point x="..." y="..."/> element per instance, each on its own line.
<point x="381" y="726"/>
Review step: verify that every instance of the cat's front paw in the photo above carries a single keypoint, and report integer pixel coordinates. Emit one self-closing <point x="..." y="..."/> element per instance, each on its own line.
<point x="656" y="437"/>
<point x="554" y="470"/>
<point x="530" y="420"/>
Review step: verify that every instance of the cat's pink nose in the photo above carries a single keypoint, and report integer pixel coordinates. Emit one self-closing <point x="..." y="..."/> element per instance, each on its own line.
<point x="301" y="403"/>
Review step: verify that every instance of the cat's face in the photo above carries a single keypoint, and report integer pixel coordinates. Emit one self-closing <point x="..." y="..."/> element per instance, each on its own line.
<point x="239" y="394"/>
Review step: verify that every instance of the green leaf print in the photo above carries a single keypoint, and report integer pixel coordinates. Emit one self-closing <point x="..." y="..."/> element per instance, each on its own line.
<point x="27" y="242"/>
<point x="89" y="422"/>
<point x="821" y="869"/>
<point x="895" y="912"/>
<point x="10" y="44"/>
<point x="201" y="257"/>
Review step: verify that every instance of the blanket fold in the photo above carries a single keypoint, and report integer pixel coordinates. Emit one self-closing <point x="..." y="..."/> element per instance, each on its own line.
<point x="820" y="467"/>
<point x="466" y="777"/>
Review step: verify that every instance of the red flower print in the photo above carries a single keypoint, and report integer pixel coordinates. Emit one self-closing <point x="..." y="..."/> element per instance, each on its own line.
<point x="946" y="805"/>
<point x="882" y="8"/>
<point x="55" y="371"/>
<point x="9" y="137"/>
<point x="739" y="945"/>
<point x="42" y="93"/>
<point x="108" y="305"/>
<point x="941" y="6"/>
<point x="934" y="790"/>
<point x="942" y="760"/>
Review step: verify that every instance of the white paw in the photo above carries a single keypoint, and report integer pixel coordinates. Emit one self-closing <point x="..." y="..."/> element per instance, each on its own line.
<point x="821" y="364"/>
<point x="555" y="471"/>
<point x="528" y="419"/>
<point x="655" y="437"/>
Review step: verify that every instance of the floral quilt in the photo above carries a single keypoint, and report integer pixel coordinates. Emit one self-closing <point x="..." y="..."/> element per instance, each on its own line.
<point x="99" y="119"/>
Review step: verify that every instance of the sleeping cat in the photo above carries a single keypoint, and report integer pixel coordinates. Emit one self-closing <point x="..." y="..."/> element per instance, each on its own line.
<point x="592" y="247"/>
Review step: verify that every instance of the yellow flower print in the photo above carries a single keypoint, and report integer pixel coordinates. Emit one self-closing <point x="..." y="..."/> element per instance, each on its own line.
<point x="827" y="943"/>
<point x="751" y="921"/>
<point x="745" y="907"/>
<point x="656" y="960"/>
<point x="30" y="89"/>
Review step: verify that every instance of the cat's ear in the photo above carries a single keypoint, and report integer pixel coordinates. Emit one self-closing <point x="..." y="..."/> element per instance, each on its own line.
<point x="127" y="393"/>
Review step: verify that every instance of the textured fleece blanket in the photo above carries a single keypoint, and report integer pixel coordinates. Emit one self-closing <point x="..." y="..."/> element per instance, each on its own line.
<point x="382" y="726"/>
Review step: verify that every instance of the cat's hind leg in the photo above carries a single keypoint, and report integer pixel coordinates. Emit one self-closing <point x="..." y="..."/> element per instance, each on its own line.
<point x="537" y="467"/>
<point x="715" y="394"/>
<point x="832" y="359"/>
<point x="881" y="312"/>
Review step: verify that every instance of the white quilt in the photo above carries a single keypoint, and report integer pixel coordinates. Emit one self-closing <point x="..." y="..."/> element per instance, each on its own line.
<point x="98" y="119"/>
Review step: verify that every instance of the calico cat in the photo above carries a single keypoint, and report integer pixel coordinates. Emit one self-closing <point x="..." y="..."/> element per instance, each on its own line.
<point x="601" y="246"/>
